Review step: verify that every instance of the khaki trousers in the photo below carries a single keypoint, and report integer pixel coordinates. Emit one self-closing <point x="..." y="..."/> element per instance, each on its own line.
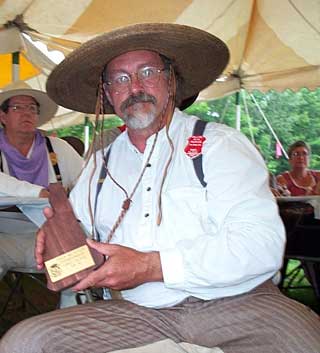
<point x="260" y="321"/>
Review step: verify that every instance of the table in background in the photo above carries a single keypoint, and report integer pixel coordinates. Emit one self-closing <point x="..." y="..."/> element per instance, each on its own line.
<point x="301" y="217"/>
<point x="31" y="207"/>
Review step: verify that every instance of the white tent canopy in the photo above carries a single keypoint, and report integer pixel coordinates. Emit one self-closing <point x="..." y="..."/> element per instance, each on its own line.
<point x="274" y="44"/>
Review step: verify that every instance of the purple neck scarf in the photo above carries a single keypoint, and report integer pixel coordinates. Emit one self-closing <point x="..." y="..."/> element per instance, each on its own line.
<point x="33" y="169"/>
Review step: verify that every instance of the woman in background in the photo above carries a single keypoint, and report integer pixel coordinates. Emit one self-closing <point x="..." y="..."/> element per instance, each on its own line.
<point x="300" y="180"/>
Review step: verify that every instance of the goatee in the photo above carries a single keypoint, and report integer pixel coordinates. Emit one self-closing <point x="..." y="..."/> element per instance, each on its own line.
<point x="139" y="116"/>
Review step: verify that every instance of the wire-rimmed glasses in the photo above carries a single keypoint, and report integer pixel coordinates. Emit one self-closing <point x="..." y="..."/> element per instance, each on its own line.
<point x="148" y="76"/>
<point x="21" y="107"/>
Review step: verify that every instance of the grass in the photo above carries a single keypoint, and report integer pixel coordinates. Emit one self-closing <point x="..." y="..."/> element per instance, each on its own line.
<point x="299" y="288"/>
<point x="46" y="300"/>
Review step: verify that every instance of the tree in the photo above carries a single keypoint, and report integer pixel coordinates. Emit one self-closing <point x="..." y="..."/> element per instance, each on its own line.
<point x="292" y="115"/>
<point x="78" y="130"/>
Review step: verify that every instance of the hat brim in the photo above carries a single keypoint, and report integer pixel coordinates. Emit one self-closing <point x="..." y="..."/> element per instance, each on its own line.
<point x="187" y="102"/>
<point x="48" y="107"/>
<point x="197" y="56"/>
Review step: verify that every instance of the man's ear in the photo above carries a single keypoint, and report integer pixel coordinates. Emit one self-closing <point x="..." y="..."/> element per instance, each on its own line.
<point x="2" y="117"/>
<point x="105" y="89"/>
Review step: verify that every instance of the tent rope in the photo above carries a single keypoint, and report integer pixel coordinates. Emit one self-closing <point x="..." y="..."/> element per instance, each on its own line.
<point x="269" y="125"/>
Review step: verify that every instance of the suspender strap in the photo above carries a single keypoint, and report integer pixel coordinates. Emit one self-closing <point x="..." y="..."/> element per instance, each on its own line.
<point x="53" y="159"/>
<point x="102" y="176"/>
<point x="198" y="130"/>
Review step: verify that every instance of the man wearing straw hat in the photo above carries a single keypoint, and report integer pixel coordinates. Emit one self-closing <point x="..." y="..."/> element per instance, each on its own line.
<point x="193" y="260"/>
<point x="28" y="163"/>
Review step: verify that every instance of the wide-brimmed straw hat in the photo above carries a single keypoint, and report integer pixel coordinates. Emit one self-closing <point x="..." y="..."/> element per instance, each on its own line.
<point x="197" y="56"/>
<point x="48" y="107"/>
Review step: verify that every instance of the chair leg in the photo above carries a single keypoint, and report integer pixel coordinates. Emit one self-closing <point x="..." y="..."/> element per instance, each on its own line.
<point x="13" y="289"/>
<point x="17" y="287"/>
<point x="313" y="274"/>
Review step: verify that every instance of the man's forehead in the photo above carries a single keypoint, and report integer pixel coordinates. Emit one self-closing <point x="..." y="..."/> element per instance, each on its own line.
<point x="22" y="99"/>
<point x="134" y="57"/>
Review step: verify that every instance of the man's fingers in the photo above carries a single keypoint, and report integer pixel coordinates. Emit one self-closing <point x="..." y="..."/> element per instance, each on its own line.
<point x="40" y="240"/>
<point x="44" y="193"/>
<point x="39" y="248"/>
<point x="89" y="281"/>
<point x="103" y="248"/>
<point x="48" y="212"/>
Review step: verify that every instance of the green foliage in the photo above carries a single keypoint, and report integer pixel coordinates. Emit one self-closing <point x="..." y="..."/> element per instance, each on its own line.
<point x="78" y="130"/>
<point x="292" y="115"/>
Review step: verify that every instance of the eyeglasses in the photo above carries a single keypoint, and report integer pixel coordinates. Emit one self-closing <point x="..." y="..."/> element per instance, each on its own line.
<point x="300" y="154"/>
<point x="148" y="76"/>
<point x="19" y="107"/>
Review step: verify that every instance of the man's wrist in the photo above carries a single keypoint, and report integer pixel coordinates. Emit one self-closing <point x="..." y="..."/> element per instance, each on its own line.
<point x="154" y="270"/>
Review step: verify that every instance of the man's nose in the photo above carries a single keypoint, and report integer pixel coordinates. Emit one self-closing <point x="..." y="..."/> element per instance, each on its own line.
<point x="135" y="84"/>
<point x="26" y="112"/>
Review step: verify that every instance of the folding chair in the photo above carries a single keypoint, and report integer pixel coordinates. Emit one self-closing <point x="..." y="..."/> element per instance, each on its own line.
<point x="14" y="280"/>
<point x="303" y="244"/>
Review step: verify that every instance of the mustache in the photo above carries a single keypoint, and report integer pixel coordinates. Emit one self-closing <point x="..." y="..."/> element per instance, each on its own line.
<point x="138" y="98"/>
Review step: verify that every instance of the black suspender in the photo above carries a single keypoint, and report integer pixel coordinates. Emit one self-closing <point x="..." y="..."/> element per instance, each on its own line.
<point x="198" y="130"/>
<point x="102" y="176"/>
<point x="53" y="159"/>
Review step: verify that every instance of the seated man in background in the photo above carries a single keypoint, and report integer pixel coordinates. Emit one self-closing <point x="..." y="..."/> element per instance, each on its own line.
<point x="28" y="163"/>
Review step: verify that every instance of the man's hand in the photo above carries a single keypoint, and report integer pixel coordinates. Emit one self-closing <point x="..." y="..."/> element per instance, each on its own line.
<point x="44" y="193"/>
<point x="124" y="268"/>
<point x="40" y="240"/>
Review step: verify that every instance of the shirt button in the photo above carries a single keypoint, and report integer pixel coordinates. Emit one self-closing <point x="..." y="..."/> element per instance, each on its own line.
<point x="146" y="215"/>
<point x="149" y="188"/>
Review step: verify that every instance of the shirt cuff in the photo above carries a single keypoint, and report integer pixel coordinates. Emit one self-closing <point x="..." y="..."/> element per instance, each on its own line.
<point x="35" y="190"/>
<point x="172" y="267"/>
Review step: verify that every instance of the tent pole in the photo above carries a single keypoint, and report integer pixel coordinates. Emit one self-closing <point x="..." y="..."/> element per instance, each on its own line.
<point x="86" y="134"/>
<point x="15" y="66"/>
<point x="238" y="112"/>
<point x="248" y="116"/>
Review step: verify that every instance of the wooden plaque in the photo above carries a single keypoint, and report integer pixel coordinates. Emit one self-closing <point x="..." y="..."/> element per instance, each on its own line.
<point x="67" y="256"/>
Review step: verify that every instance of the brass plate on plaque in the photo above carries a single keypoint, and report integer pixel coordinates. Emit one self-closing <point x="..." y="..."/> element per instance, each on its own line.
<point x="69" y="263"/>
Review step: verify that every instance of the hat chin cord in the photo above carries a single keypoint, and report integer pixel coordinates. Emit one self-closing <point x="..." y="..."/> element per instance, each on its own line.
<point x="166" y="116"/>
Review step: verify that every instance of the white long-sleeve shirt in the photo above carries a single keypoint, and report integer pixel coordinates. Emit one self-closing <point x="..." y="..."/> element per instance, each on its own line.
<point x="214" y="242"/>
